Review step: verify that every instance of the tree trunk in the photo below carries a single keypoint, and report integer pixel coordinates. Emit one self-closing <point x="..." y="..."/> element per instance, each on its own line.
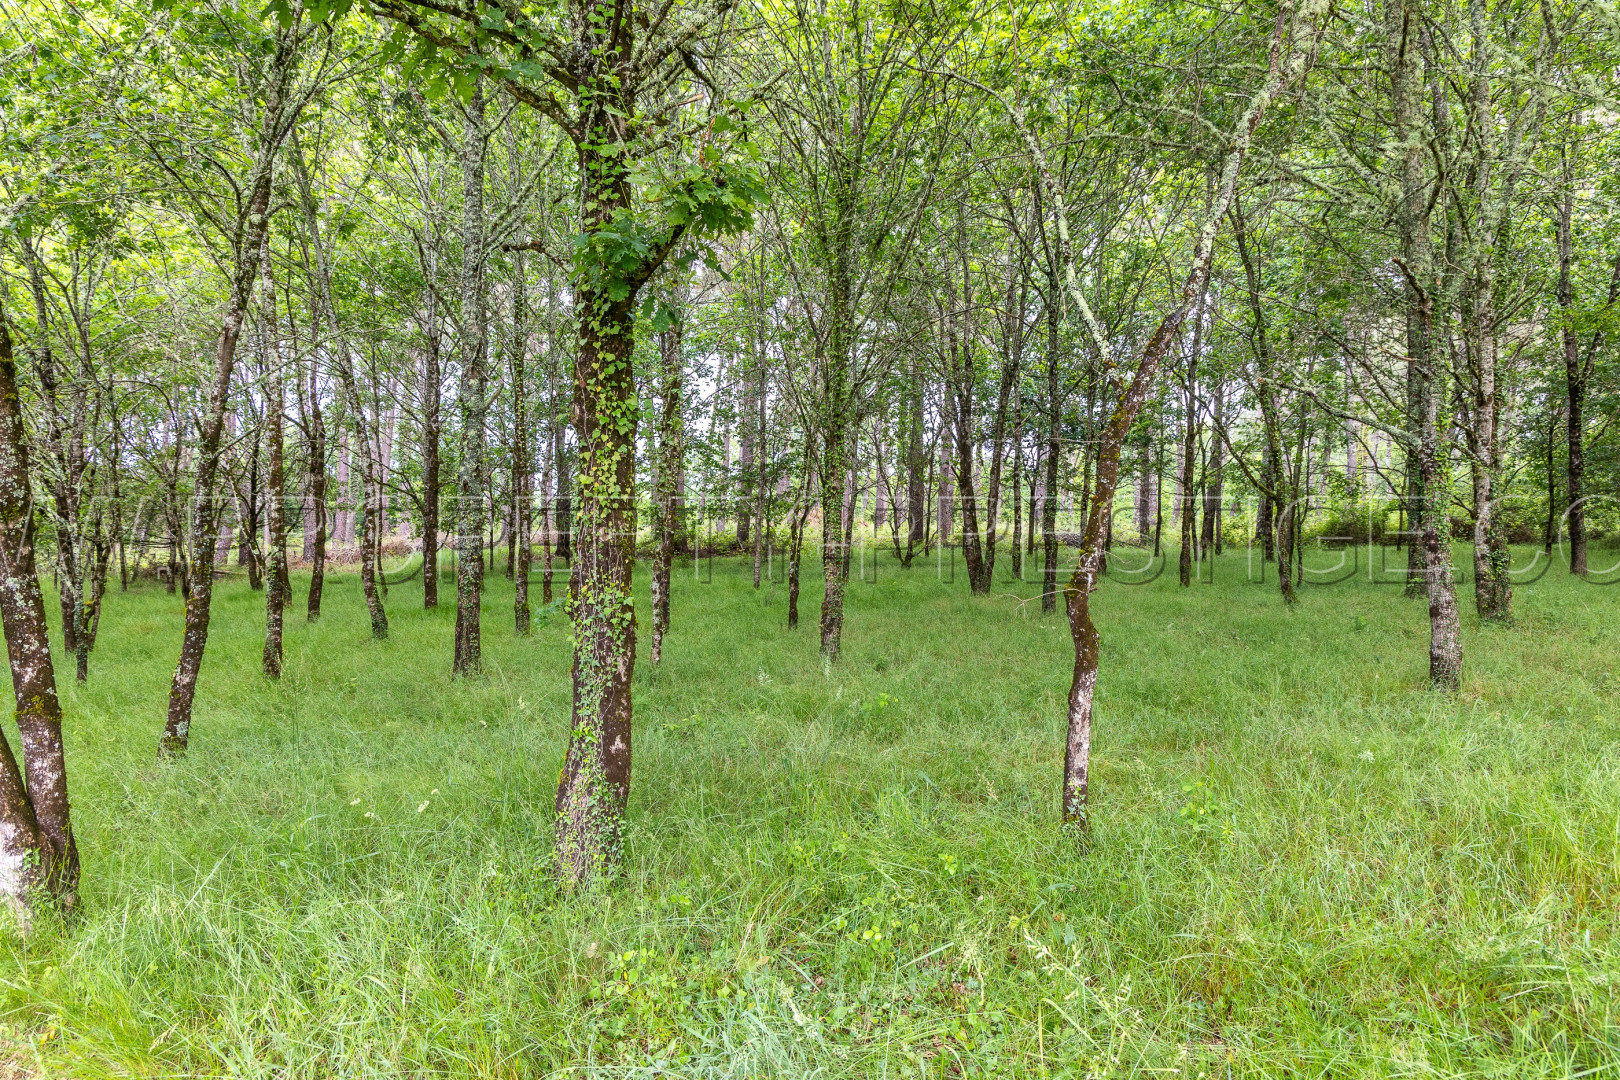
<point x="835" y="408"/>
<point x="275" y="493"/>
<point x="747" y="458"/>
<point x="1213" y="486"/>
<point x="36" y="830"/>
<point x="1493" y="591"/>
<point x="1054" y="450"/>
<point x="548" y="511"/>
<point x="64" y="443"/>
<point x="595" y="783"/>
<point x="761" y="457"/>
<point x="596" y="775"/>
<point x="205" y="520"/>
<point x="1186" y="505"/>
<point x="960" y="423"/>
<point x="317" y="490"/>
<point x="1012" y="360"/>
<point x="1275" y="508"/>
<point x="247" y="515"/>
<point x="471" y="396"/>
<point x="670" y="447"/>
<point x="801" y="513"/>
<point x="916" y="466"/>
<point x="1016" y="548"/>
<point x="1077" y="594"/>
<point x="432" y="377"/>
<point x="565" y="497"/>
<point x="522" y="456"/>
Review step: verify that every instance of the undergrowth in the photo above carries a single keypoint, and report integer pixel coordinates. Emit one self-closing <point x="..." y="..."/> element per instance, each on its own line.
<point x="1302" y="862"/>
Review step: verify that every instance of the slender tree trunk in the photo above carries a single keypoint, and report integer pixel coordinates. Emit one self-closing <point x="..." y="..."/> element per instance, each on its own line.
<point x="1035" y="480"/>
<point x="317" y="492"/>
<point x="1574" y="383"/>
<point x="275" y="494"/>
<point x="432" y="483"/>
<point x="1016" y="548"/>
<point x="98" y="556"/>
<point x="747" y="458"/>
<point x="916" y="466"/>
<point x="1445" y="644"/>
<point x="248" y="515"/>
<point x="1012" y="361"/>
<point x="1493" y="596"/>
<point x="1054" y="450"/>
<point x="1275" y="509"/>
<point x="801" y="513"/>
<point x="835" y="408"/>
<point x="670" y="448"/>
<point x="1213" y="480"/>
<point x="1077" y="594"/>
<point x="36" y="829"/>
<point x="522" y="455"/>
<point x="370" y="514"/>
<point x="1412" y="212"/>
<point x="961" y="425"/>
<point x="548" y="513"/>
<point x="205" y="521"/>
<point x="1550" y="534"/>
<point x="64" y="489"/>
<point x="1186" y="504"/>
<point x="471" y="395"/>
<point x="565" y="497"/>
<point x="761" y="457"/>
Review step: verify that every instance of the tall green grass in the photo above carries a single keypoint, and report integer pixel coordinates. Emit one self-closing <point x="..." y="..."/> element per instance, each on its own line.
<point x="1303" y="863"/>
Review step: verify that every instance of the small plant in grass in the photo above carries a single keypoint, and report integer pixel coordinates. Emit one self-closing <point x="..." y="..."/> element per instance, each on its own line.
<point x="684" y="727"/>
<point x="1198" y="808"/>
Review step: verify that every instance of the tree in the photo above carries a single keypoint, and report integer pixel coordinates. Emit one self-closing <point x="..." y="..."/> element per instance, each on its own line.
<point x="615" y="79"/>
<point x="272" y="100"/>
<point x="1292" y="35"/>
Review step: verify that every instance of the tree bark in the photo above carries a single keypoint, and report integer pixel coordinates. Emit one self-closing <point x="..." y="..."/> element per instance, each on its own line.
<point x="275" y="596"/>
<point x="595" y="784"/>
<point x="1054" y="451"/>
<point x="1211" y="541"/>
<point x="916" y="467"/>
<point x="563" y="464"/>
<point x="670" y="448"/>
<point x="835" y="407"/>
<point x="522" y="455"/>
<point x="1187" y="504"/>
<point x="432" y="377"/>
<point x="761" y="456"/>
<point x="471" y="395"/>
<point x="959" y="385"/>
<point x="1012" y="357"/>
<point x="317" y="483"/>
<point x="36" y="830"/>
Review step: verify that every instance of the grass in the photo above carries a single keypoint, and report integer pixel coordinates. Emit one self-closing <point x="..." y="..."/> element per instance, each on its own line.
<point x="1303" y="863"/>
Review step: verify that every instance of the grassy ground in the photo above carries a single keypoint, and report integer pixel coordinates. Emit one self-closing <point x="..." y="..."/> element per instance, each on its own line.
<point x="1303" y="863"/>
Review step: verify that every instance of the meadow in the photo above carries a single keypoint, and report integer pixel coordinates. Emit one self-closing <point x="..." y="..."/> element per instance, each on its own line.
<point x="1302" y="862"/>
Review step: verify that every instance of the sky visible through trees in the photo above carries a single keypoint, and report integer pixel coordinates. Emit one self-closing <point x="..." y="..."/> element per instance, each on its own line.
<point x="831" y="390"/>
